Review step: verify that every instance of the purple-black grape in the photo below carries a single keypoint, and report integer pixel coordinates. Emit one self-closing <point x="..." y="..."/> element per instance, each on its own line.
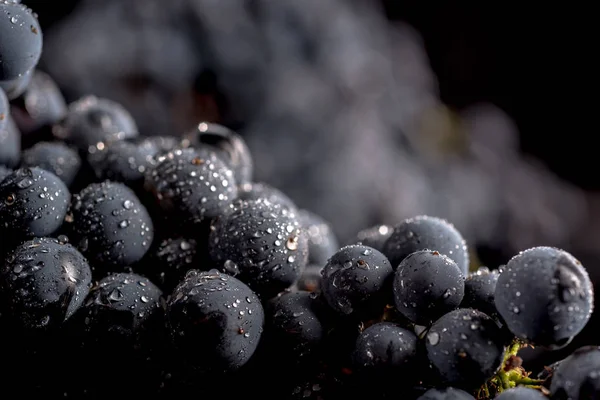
<point x="191" y="186"/>
<point x="357" y="279"/>
<point x="521" y="393"/>
<point x="480" y="287"/>
<point x="122" y="161"/>
<point x="448" y="393"/>
<point x="215" y="320"/>
<point x="110" y="226"/>
<point x="386" y="349"/>
<point x="427" y="285"/>
<point x="261" y="190"/>
<point x="169" y="261"/>
<point x="56" y="157"/>
<point x="293" y="328"/>
<point x="426" y="233"/>
<point x="262" y="244"/>
<point x="229" y="146"/>
<point x="20" y="40"/>
<point x="10" y="143"/>
<point x="39" y="107"/>
<point x="91" y="122"/>
<point x="466" y="347"/>
<point x="33" y="203"/>
<point x="545" y="296"/>
<point x="120" y="310"/>
<point x="44" y="282"/>
<point x="577" y="377"/>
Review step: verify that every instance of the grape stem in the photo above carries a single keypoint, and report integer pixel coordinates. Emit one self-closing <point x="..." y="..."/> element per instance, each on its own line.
<point x="510" y="374"/>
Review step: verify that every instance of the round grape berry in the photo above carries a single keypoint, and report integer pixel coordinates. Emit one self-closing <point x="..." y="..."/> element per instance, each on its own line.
<point x="259" y="190"/>
<point x="521" y="393"/>
<point x="20" y="40"/>
<point x="356" y="278"/>
<point x="122" y="161"/>
<point x="16" y="87"/>
<point x="121" y="309"/>
<point x="10" y="143"/>
<point x="110" y="225"/>
<point x="33" y="203"/>
<point x="44" y="282"/>
<point x="480" y="287"/>
<point x="39" y="106"/>
<point x="426" y="233"/>
<point x="578" y="376"/>
<point x="427" y="285"/>
<point x="386" y="349"/>
<point x="55" y="157"/>
<point x="545" y="296"/>
<point x="168" y="263"/>
<point x="449" y="393"/>
<point x="191" y="186"/>
<point x="91" y="122"/>
<point x="215" y="321"/>
<point x="156" y="146"/>
<point x="228" y="145"/>
<point x="294" y="327"/>
<point x="466" y="347"/>
<point x="262" y="244"/>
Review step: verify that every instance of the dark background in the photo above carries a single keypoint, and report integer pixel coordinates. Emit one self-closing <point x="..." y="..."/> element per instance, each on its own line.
<point x="535" y="65"/>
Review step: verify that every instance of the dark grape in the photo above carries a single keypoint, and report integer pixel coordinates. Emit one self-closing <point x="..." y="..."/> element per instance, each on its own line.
<point x="91" y="122"/>
<point x="215" y="321"/>
<point x="427" y="285"/>
<point x="294" y="329"/>
<point x="44" y="282"/>
<point x="230" y="147"/>
<point x="20" y="40"/>
<point x="480" y="287"/>
<point x="33" y="202"/>
<point x="426" y="233"/>
<point x="262" y="244"/>
<point x="356" y="278"/>
<point x="55" y="157"/>
<point x="260" y="190"/>
<point x="110" y="226"/>
<point x="545" y="296"/>
<point x="466" y="347"/>
<point x="578" y="376"/>
<point x="521" y="393"/>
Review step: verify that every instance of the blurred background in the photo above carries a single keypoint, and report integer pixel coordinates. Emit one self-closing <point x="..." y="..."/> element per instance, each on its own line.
<point x="367" y="111"/>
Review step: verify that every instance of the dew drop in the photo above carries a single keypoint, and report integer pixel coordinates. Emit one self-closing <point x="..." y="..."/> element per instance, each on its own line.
<point x="433" y="338"/>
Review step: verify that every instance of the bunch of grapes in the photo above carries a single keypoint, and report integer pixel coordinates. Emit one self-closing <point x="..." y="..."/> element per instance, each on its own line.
<point x="158" y="266"/>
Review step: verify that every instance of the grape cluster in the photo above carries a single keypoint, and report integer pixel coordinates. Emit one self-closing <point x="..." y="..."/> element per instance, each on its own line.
<point x="155" y="266"/>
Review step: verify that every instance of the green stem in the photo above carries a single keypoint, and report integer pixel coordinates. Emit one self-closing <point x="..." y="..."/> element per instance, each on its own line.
<point x="513" y="349"/>
<point x="506" y="383"/>
<point x="528" y="381"/>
